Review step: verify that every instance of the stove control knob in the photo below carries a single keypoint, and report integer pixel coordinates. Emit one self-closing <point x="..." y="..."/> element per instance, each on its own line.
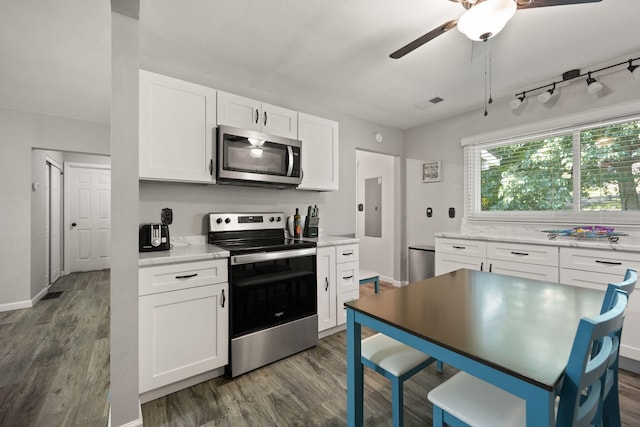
<point x="279" y="219"/>
<point x="272" y="219"/>
<point x="227" y="220"/>
<point x="219" y="221"/>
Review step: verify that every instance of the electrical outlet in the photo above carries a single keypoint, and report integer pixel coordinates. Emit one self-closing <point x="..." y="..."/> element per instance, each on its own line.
<point x="452" y="212"/>
<point x="166" y="216"/>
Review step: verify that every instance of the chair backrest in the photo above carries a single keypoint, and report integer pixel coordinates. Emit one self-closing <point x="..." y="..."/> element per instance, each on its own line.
<point x="580" y="395"/>
<point x="628" y="284"/>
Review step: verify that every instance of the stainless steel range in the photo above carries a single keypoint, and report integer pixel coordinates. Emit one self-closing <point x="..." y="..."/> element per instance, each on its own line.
<point x="273" y="301"/>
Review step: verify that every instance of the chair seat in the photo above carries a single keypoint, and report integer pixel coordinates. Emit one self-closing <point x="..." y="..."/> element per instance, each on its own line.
<point x="367" y="275"/>
<point x="478" y="403"/>
<point x="391" y="355"/>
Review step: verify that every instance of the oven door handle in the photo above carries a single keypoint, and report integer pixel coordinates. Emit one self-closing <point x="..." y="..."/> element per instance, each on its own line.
<point x="270" y="256"/>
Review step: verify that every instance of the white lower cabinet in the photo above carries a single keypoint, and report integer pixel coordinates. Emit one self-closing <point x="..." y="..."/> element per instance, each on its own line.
<point x="513" y="259"/>
<point x="183" y="332"/>
<point x="595" y="268"/>
<point x="338" y="282"/>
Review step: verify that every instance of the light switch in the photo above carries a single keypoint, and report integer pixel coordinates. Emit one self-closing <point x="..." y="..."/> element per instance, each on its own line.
<point x="429" y="212"/>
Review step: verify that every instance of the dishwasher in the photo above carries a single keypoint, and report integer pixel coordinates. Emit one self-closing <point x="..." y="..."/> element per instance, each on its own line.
<point x="421" y="262"/>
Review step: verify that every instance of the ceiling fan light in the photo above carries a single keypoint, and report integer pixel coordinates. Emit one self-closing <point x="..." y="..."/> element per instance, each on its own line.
<point x="486" y="19"/>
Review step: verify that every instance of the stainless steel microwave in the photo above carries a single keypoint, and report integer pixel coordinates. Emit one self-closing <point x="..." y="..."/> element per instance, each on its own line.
<point x="247" y="157"/>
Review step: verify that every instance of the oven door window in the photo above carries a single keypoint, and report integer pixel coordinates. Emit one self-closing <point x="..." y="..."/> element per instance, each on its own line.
<point x="242" y="154"/>
<point x="270" y="293"/>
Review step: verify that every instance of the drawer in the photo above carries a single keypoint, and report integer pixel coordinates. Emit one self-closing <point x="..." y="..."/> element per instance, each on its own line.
<point x="547" y="273"/>
<point x="347" y="253"/>
<point x="347" y="277"/>
<point x="171" y="277"/>
<point x="599" y="261"/>
<point x="518" y="252"/>
<point x="474" y="248"/>
<point x="342" y="311"/>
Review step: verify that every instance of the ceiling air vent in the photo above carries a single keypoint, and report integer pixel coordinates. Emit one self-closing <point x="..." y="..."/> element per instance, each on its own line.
<point x="436" y="100"/>
<point x="425" y="104"/>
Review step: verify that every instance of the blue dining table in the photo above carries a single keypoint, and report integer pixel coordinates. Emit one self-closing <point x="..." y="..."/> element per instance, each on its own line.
<point x="512" y="332"/>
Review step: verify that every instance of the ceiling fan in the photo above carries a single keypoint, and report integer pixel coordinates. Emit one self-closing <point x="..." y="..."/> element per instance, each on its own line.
<point x="482" y="20"/>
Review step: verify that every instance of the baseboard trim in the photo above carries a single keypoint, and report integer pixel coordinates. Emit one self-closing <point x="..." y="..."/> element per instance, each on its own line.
<point x="16" y="305"/>
<point x="134" y="423"/>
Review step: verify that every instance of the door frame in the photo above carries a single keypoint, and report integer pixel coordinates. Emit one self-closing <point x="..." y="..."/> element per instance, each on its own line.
<point x="67" y="207"/>
<point x="48" y="163"/>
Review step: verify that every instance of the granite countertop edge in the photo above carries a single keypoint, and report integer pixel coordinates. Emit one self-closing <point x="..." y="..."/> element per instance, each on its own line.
<point x="626" y="243"/>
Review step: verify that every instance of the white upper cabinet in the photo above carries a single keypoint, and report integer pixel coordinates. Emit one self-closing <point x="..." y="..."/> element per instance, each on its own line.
<point x="246" y="113"/>
<point x="177" y="127"/>
<point x="320" y="149"/>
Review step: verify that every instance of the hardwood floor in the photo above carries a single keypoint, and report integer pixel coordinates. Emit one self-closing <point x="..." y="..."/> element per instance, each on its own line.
<point x="54" y="371"/>
<point x="54" y="357"/>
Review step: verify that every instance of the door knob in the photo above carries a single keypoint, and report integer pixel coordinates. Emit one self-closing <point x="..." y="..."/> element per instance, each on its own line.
<point x="73" y="224"/>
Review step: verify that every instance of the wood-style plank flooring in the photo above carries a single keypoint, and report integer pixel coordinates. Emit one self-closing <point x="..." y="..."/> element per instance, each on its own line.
<point x="54" y="371"/>
<point x="54" y="357"/>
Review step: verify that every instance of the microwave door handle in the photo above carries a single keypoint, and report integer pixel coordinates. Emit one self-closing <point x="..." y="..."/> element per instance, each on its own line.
<point x="290" y="168"/>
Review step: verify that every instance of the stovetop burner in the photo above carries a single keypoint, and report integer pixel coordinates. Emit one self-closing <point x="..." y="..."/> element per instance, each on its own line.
<point x="242" y="233"/>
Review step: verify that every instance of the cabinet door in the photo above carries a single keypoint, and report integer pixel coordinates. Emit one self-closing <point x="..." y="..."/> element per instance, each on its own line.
<point x="449" y="262"/>
<point x="326" y="260"/>
<point x="177" y="124"/>
<point x="238" y="111"/>
<point x="279" y="121"/>
<point x="182" y="334"/>
<point x="320" y="150"/>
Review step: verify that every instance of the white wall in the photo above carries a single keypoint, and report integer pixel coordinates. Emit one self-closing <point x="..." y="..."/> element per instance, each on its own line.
<point x="378" y="253"/>
<point x="19" y="133"/>
<point x="441" y="141"/>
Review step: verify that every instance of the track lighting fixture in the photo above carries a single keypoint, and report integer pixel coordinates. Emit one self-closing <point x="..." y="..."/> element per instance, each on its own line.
<point x="515" y="103"/>
<point x="593" y="86"/>
<point x="545" y="96"/>
<point x="634" y="69"/>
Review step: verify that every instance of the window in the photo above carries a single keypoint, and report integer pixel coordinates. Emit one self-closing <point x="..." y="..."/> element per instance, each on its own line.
<point x="589" y="172"/>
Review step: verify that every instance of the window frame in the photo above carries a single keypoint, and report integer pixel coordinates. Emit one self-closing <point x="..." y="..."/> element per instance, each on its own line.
<point x="473" y="147"/>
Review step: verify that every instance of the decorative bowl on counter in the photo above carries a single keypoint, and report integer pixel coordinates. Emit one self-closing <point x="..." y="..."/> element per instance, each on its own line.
<point x="586" y="232"/>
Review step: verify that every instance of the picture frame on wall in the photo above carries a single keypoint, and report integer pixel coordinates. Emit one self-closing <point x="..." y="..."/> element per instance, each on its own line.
<point x="431" y="171"/>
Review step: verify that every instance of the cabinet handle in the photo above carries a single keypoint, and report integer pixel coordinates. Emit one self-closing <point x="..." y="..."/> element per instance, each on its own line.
<point x="223" y="299"/>
<point x="490" y="267"/>
<point x="519" y="253"/>
<point x="265" y="119"/>
<point x="482" y="266"/>
<point x="326" y="284"/>
<point x="257" y="115"/>
<point x="608" y="262"/>
<point x="459" y="247"/>
<point x="211" y="167"/>
<point x="187" y="276"/>
<point x="347" y="253"/>
<point x="348" y="277"/>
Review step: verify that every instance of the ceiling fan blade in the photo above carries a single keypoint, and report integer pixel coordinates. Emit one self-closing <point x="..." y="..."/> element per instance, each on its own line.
<point x="425" y="38"/>
<point x="545" y="3"/>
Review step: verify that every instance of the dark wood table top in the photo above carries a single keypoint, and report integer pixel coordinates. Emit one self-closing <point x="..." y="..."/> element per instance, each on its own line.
<point x="520" y="326"/>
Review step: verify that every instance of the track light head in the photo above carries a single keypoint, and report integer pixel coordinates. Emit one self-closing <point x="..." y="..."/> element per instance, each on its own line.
<point x="515" y="103"/>
<point x="545" y="96"/>
<point x="593" y="86"/>
<point x="634" y="69"/>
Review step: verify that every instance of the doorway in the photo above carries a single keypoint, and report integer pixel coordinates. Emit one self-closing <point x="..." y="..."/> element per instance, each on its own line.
<point x="53" y="220"/>
<point x="376" y="213"/>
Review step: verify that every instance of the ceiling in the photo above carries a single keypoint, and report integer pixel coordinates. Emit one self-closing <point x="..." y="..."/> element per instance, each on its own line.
<point x="56" y="55"/>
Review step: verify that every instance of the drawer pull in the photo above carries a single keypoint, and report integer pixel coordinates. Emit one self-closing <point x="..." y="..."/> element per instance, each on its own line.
<point x="348" y="277"/>
<point x="459" y="247"/>
<point x="609" y="262"/>
<point x="519" y="253"/>
<point x="482" y="266"/>
<point x="347" y="253"/>
<point x="187" y="276"/>
<point x="223" y="299"/>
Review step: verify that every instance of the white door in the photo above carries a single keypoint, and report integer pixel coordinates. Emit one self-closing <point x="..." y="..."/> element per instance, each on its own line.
<point x="89" y="219"/>
<point x="55" y="223"/>
<point x="377" y="242"/>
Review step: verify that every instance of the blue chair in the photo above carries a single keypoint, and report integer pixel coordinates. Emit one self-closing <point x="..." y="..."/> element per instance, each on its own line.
<point x="367" y="276"/>
<point x="610" y="411"/>
<point x="397" y="362"/>
<point x="465" y="400"/>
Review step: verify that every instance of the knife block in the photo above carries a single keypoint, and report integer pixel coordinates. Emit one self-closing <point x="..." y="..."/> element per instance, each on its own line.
<point x="310" y="228"/>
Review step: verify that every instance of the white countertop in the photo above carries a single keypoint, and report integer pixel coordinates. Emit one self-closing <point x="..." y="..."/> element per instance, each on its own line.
<point x="183" y="249"/>
<point x="196" y="248"/>
<point x="625" y="243"/>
